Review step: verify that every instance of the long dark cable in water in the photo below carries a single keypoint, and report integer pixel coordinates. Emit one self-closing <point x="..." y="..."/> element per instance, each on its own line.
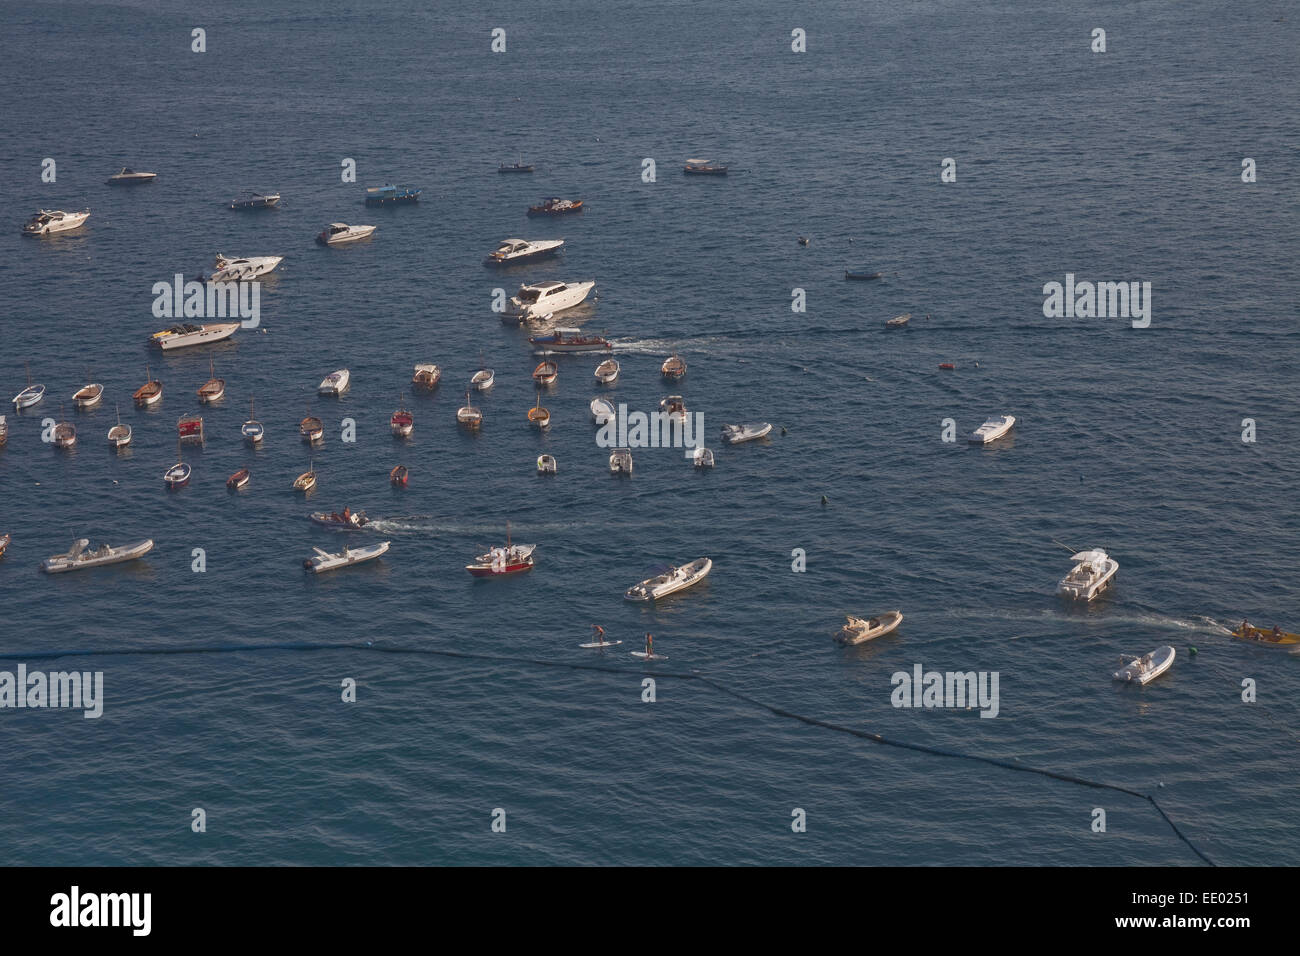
<point x="607" y="669"/>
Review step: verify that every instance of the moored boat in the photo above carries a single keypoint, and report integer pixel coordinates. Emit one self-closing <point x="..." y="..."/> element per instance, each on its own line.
<point x="389" y="194"/>
<point x="736" y="434"/>
<point x="184" y="335"/>
<point x="243" y="270"/>
<point x="256" y="201"/>
<point x="546" y="373"/>
<point x="323" y="561"/>
<point x="556" y="207"/>
<point x="119" y="436"/>
<point x="150" y="393"/>
<point x="1148" y="667"/>
<point x="541" y="300"/>
<point x="252" y="430"/>
<point x="702" y="457"/>
<point x="858" y="630"/>
<point x="129" y="177"/>
<point x="569" y="340"/>
<point x="671" y="581"/>
<point x="4" y="544"/>
<point x="335" y="383"/>
<point x="49" y="222"/>
<point x="311" y="429"/>
<point x="862" y="276"/>
<point x="703" y="167"/>
<point x="602" y="410"/>
<point x="190" y="428"/>
<point x="674" y="407"/>
<point x="1093" y="572"/>
<point x="511" y="559"/>
<point x="992" y="429"/>
<point x="607" y="372"/>
<point x="898" y="321"/>
<point x="468" y="415"/>
<point x="80" y="556"/>
<point x="239" y="479"/>
<point x="88" y="396"/>
<point x="307" y="480"/>
<point x="340" y="233"/>
<point x="519" y="167"/>
<point x="178" y="475"/>
<point x="426" y="376"/>
<point x="29" y="396"/>
<point x="620" y="461"/>
<point x="401" y="422"/>
<point x="214" y="389"/>
<point x="483" y="379"/>
<point x="4" y="430"/>
<point x="65" y="433"/>
<point x="673" y="368"/>
<point x="538" y="415"/>
<point x="512" y="252"/>
<point x="546" y="465"/>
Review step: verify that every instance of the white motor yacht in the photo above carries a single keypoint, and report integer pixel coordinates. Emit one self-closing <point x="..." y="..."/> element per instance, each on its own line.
<point x="129" y="177"/>
<point x="236" y="270"/>
<point x="1093" y="572"/>
<point x="340" y="233"/>
<point x="180" y="336"/>
<point x="514" y="251"/>
<point x="543" y="299"/>
<point x="47" y="222"/>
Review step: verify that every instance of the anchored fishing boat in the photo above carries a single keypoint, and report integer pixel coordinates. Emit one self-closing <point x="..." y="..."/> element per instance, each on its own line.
<point x="214" y="388"/>
<point x="1093" y="572"/>
<point x="150" y="393"/>
<point x="252" y="429"/>
<point x="65" y="433"/>
<point x="402" y="422"/>
<point x="671" y="581"/>
<point x="602" y="410"/>
<point x="239" y="479"/>
<point x="389" y="194"/>
<point x="620" y="461"/>
<point x="546" y="373"/>
<point x="426" y="377"/>
<point x="607" y="372"/>
<point x="538" y="415"/>
<point x="183" y="336"/>
<point x="519" y="167"/>
<point x="189" y="428"/>
<point x="347" y="520"/>
<point x="311" y="429"/>
<point x="674" y="407"/>
<point x="79" y="556"/>
<point x="857" y="630"/>
<point x="483" y="379"/>
<point x="307" y="480"/>
<point x="88" y="396"/>
<point x="569" y="340"/>
<point x="992" y="429"/>
<point x="512" y="559"/>
<point x="29" y="396"/>
<point x="736" y="434"/>
<point x="178" y="475"/>
<point x="468" y="415"/>
<point x="119" y="436"/>
<point x="546" y="465"/>
<point x="673" y="367"/>
<point x="49" y="222"/>
<point x="323" y="561"/>
<point x="1148" y="667"/>
<point x="398" y="476"/>
<point x="556" y="207"/>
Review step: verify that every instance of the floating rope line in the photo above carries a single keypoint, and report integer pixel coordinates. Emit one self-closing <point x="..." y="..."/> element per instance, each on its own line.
<point x="623" y="671"/>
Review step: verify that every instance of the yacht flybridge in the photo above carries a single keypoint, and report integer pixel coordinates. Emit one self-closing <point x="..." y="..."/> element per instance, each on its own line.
<point x="47" y="222"/>
<point x="514" y="251"/>
<point x="1093" y="572"/>
<point x="543" y="299"/>
<point x="236" y="270"/>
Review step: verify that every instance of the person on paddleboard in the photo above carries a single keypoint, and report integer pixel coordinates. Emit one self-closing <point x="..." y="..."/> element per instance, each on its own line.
<point x="599" y="633"/>
<point x="649" y="645"/>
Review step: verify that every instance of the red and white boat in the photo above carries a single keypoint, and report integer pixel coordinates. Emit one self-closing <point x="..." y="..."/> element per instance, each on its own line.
<point x="512" y="559"/>
<point x="402" y="422"/>
<point x="546" y="373"/>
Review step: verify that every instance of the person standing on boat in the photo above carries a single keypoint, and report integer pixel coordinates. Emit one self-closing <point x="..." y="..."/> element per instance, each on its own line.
<point x="1277" y="633"/>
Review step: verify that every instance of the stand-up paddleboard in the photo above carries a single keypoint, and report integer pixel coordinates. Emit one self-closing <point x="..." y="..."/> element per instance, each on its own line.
<point x="601" y="644"/>
<point x="649" y="657"/>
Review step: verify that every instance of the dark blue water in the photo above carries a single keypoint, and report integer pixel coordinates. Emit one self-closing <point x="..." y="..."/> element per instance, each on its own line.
<point x="1122" y="166"/>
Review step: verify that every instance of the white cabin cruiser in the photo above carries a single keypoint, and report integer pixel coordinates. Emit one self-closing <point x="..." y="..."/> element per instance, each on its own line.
<point x="335" y="383"/>
<point x="129" y="177"/>
<point x="703" y="457"/>
<point x="544" y="299"/>
<point x="340" y="233"/>
<point x="992" y="429"/>
<point x="322" y="560"/>
<point x="79" y="556"/>
<point x="514" y="251"/>
<point x="181" y="336"/>
<point x="620" y="461"/>
<point x="1093" y="572"/>
<point x="238" y="270"/>
<point x="47" y="222"/>
<point x="735" y="434"/>
<point x="671" y="581"/>
<point x="1148" y="667"/>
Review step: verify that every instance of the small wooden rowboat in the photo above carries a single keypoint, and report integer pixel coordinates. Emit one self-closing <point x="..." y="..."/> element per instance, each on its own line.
<point x="214" y="388"/>
<point x="398" y="476"/>
<point x="311" y="429"/>
<point x="607" y="372"/>
<point x="238" y="480"/>
<point x="1262" y="636"/>
<point x="306" y="481"/>
<point x="539" y="416"/>
<point x="546" y="373"/>
<point x="858" y="631"/>
<point x="150" y="393"/>
<point x="89" y="396"/>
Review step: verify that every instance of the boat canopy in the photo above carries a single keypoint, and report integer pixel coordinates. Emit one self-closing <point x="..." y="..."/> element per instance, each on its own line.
<point x="1095" y="556"/>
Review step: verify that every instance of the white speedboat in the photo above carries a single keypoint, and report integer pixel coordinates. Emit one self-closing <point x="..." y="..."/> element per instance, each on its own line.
<point x="543" y="299"/>
<point x="48" y="222"/>
<point x="80" y="556"/>
<point x="335" y="383"/>
<point x="620" y="461"/>
<point x="181" y="336"/>
<point x="993" y="429"/>
<point x="671" y="581"/>
<point x="703" y="457"/>
<point x="607" y="372"/>
<point x="241" y="270"/>
<point x="602" y="410"/>
<point x="1148" y="667"/>
<point x="515" y="251"/>
<point x="857" y="630"/>
<point x="322" y="560"/>
<point x="129" y="177"/>
<point x="340" y="233"/>
<point x="735" y="434"/>
<point x="256" y="201"/>
<point x="546" y="465"/>
<point x="1093" y="572"/>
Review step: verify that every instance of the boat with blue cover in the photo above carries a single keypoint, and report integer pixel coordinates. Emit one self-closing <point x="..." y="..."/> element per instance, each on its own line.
<point x="379" y="195"/>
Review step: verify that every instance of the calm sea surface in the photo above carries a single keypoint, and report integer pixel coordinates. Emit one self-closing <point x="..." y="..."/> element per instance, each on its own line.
<point x="1117" y="166"/>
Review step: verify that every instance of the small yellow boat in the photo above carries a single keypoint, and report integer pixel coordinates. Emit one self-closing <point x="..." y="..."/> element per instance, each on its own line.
<point x="1262" y="636"/>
